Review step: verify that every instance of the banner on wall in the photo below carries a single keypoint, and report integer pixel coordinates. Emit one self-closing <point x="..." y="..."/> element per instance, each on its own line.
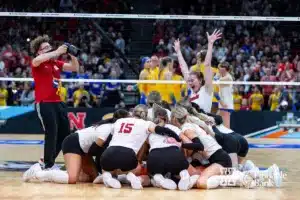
<point x="79" y="118"/>
<point x="25" y="120"/>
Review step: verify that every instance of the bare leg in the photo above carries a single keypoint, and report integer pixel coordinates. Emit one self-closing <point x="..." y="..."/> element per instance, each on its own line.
<point x="226" y="118"/>
<point x="214" y="169"/>
<point x="234" y="160"/>
<point x="73" y="165"/>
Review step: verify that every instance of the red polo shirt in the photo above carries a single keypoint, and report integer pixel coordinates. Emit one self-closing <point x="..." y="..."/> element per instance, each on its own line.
<point x="46" y="78"/>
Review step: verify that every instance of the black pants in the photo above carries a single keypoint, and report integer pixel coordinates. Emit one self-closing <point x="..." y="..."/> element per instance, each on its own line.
<point x="55" y="122"/>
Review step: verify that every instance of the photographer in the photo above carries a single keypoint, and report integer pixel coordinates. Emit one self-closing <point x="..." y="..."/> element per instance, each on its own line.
<point x="51" y="110"/>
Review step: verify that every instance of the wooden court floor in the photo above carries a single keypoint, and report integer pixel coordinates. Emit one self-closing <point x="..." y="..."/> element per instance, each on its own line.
<point x="12" y="188"/>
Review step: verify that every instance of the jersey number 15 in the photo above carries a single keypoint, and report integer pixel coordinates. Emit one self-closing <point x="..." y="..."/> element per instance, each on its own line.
<point x="126" y="128"/>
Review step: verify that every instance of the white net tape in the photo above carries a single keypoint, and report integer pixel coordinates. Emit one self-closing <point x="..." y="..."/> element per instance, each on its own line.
<point x="157" y="81"/>
<point x="146" y="16"/>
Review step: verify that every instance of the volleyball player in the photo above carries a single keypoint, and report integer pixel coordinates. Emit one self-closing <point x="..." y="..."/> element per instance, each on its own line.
<point x="201" y="87"/>
<point x="78" y="149"/>
<point x="212" y="176"/>
<point x="129" y="134"/>
<point x="225" y="92"/>
<point x="228" y="142"/>
<point x="165" y="155"/>
<point x="154" y="98"/>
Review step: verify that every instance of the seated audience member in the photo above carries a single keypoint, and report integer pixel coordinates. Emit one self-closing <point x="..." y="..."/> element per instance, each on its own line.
<point x="27" y="96"/>
<point x="79" y="93"/>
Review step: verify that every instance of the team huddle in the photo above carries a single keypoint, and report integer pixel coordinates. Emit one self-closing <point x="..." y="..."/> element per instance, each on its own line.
<point x="152" y="145"/>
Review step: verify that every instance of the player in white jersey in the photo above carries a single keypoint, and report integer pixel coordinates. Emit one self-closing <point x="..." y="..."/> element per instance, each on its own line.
<point x="154" y="98"/>
<point x="200" y="86"/>
<point x="166" y="157"/>
<point x="228" y="142"/>
<point x="129" y="134"/>
<point x="212" y="176"/>
<point x="78" y="149"/>
<point x="225" y="93"/>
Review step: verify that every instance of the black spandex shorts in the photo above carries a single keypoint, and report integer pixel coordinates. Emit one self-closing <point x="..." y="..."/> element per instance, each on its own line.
<point x="71" y="145"/>
<point x="222" y="158"/>
<point x="166" y="160"/>
<point x="117" y="157"/>
<point x="244" y="146"/>
<point x="229" y="143"/>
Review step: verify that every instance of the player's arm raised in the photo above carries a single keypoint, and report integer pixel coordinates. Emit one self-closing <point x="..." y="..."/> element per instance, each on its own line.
<point x="73" y="66"/>
<point x="208" y="73"/>
<point x="47" y="56"/>
<point x="183" y="66"/>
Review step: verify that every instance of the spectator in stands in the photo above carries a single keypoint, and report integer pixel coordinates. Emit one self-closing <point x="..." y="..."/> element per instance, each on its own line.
<point x="3" y="94"/>
<point x="95" y="90"/>
<point x="120" y="43"/>
<point x="63" y="93"/>
<point x="66" y="6"/>
<point x="274" y="99"/>
<point x="79" y="94"/>
<point x="112" y="94"/>
<point x="256" y="100"/>
<point x="267" y="89"/>
<point x="84" y="102"/>
<point x="27" y="97"/>
<point x="237" y="99"/>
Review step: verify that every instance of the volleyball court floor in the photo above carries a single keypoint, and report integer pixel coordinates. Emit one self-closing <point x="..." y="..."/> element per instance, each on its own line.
<point x="20" y="151"/>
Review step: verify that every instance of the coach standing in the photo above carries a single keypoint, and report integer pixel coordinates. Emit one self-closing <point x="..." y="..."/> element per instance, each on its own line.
<point x="50" y="109"/>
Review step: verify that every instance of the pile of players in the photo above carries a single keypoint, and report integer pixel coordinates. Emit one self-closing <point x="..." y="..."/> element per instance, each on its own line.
<point x="182" y="148"/>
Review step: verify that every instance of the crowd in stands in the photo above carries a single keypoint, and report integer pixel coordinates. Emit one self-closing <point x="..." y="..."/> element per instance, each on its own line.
<point x="257" y="51"/>
<point x="97" y="58"/>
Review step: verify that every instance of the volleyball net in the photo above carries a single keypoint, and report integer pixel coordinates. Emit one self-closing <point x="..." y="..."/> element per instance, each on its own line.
<point x="262" y="53"/>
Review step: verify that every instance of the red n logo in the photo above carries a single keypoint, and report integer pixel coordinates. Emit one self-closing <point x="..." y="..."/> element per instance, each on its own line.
<point x="77" y="120"/>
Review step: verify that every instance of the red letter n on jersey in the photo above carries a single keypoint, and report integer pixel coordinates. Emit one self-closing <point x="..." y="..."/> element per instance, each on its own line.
<point x="77" y="120"/>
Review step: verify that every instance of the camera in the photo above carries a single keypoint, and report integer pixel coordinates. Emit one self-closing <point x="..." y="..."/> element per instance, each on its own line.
<point x="72" y="49"/>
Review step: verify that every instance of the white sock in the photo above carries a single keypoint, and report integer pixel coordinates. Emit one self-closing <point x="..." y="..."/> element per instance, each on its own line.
<point x="223" y="181"/>
<point x="213" y="182"/>
<point x="56" y="176"/>
<point x="59" y="176"/>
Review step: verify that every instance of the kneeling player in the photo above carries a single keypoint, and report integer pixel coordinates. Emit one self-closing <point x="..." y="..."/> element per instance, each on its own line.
<point x="129" y="134"/>
<point x="78" y="149"/>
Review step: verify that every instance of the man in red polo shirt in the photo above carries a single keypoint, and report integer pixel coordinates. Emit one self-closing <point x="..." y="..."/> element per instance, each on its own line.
<point x="50" y="109"/>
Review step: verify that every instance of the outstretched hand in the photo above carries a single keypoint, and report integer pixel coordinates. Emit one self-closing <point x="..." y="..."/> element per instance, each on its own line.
<point x="214" y="36"/>
<point x="176" y="45"/>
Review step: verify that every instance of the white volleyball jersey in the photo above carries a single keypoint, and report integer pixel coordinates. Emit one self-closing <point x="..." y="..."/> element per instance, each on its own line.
<point x="226" y="95"/>
<point x="130" y="133"/>
<point x="150" y="114"/>
<point x="224" y="129"/>
<point x="209" y="143"/>
<point x="88" y="136"/>
<point x="159" y="141"/>
<point x="202" y="98"/>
